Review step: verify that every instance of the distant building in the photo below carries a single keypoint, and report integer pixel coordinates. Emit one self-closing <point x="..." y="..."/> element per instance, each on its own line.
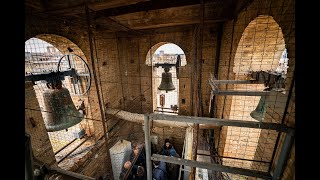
<point x="169" y="58"/>
<point x="37" y="62"/>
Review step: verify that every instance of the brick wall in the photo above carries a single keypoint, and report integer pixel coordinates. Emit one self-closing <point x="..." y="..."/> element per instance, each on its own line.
<point x="34" y="126"/>
<point x="125" y="79"/>
<point x="256" y="56"/>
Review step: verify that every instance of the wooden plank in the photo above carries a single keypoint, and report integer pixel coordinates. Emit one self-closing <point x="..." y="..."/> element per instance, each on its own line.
<point x="173" y="16"/>
<point x="147" y="6"/>
<point x="107" y="4"/>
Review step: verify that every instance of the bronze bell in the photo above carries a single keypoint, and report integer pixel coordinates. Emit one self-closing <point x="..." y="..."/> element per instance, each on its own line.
<point x="166" y="81"/>
<point x="260" y="111"/>
<point x="60" y="112"/>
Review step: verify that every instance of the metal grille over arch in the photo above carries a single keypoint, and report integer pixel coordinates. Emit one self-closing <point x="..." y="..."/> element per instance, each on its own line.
<point x="44" y="55"/>
<point x="260" y="48"/>
<point x="160" y="55"/>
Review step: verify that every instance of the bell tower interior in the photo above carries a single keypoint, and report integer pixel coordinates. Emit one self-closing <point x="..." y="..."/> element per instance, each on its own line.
<point x="125" y="90"/>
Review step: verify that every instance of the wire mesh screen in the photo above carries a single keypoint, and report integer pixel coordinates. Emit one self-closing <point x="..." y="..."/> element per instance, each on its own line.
<point x="69" y="146"/>
<point x="239" y="151"/>
<point x="255" y="43"/>
<point x="42" y="58"/>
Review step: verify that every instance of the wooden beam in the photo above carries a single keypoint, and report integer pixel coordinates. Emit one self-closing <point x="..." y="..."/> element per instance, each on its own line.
<point x="240" y="5"/>
<point x="174" y="16"/>
<point x="146" y="129"/>
<point x="210" y="166"/>
<point x="107" y="4"/>
<point x="77" y="7"/>
<point x="110" y="24"/>
<point x="147" y="6"/>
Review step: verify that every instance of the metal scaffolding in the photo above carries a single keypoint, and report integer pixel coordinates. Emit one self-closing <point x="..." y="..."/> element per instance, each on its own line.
<point x="289" y="139"/>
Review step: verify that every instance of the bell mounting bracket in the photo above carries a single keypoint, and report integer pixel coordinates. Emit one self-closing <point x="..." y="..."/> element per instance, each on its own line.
<point x="54" y="78"/>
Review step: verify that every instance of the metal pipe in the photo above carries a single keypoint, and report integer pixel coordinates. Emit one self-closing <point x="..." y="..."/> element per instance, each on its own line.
<point x="283" y="156"/>
<point x="236" y="82"/>
<point x="216" y="66"/>
<point x="163" y="108"/>
<point x="69" y="173"/>
<point x="94" y="74"/>
<point x="28" y="167"/>
<point x="210" y="166"/>
<point x="282" y="121"/>
<point x="148" y="146"/>
<point x="72" y="151"/>
<point x="165" y="111"/>
<point x="195" y="138"/>
<point x="120" y="73"/>
<point x="65" y="146"/>
<point x="182" y="156"/>
<point x="236" y="158"/>
<point x="240" y="93"/>
<point x="220" y="122"/>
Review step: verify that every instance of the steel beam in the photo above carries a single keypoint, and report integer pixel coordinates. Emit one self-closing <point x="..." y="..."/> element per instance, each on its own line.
<point x="236" y="82"/>
<point x="210" y="166"/>
<point x="70" y="173"/>
<point x="284" y="154"/>
<point x="240" y="93"/>
<point x="28" y="161"/>
<point x="148" y="146"/>
<point x="220" y="122"/>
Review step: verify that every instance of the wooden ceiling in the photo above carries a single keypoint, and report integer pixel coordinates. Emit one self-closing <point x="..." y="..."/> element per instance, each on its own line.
<point x="125" y="15"/>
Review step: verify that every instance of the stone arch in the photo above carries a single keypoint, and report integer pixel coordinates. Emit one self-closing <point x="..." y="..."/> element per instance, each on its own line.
<point x="260" y="48"/>
<point x="154" y="48"/>
<point x="282" y="12"/>
<point x="61" y="44"/>
<point x="151" y="59"/>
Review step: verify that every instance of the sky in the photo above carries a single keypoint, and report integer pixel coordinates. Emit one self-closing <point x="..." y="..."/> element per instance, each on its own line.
<point x="170" y="49"/>
<point x="36" y="45"/>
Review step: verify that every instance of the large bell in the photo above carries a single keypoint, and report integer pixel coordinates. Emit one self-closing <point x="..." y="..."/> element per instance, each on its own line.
<point x="260" y="111"/>
<point x="60" y="112"/>
<point x="166" y="81"/>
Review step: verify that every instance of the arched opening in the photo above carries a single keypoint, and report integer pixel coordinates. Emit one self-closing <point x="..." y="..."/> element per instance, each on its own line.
<point x="261" y="48"/>
<point x="165" y="59"/>
<point x="44" y="55"/>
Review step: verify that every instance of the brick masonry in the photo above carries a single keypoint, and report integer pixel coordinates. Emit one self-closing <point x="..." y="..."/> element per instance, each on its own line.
<point x="124" y="77"/>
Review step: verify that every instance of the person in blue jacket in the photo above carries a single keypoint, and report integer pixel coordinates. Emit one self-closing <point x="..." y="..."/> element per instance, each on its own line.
<point x="160" y="171"/>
